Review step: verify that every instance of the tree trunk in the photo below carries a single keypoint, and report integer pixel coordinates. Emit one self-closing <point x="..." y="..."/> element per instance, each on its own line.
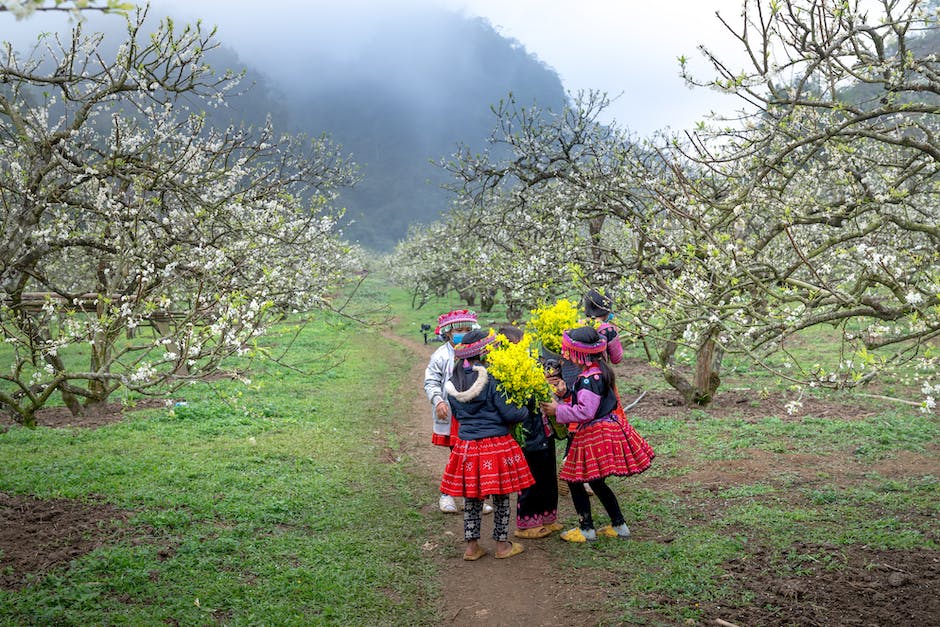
<point x="513" y="312"/>
<point x="667" y="360"/>
<point x="707" y="368"/>
<point x="595" y="226"/>
<point x="700" y="391"/>
<point x="487" y="300"/>
<point x="71" y="400"/>
<point x="99" y="355"/>
<point x="467" y="296"/>
<point x="38" y="336"/>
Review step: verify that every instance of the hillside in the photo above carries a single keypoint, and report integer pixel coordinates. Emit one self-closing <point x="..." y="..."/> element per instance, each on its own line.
<point x="404" y="99"/>
<point x="397" y="91"/>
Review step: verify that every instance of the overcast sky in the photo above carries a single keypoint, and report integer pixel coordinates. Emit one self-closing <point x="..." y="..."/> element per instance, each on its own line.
<point x="628" y="48"/>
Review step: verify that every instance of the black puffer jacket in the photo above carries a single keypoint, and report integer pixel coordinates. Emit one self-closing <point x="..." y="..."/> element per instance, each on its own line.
<point x="482" y="410"/>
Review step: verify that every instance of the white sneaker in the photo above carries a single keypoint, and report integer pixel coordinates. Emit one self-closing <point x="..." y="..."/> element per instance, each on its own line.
<point x="487" y="508"/>
<point x="447" y="504"/>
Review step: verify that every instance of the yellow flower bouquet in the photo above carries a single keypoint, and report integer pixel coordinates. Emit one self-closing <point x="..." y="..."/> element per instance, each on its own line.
<point x="548" y="322"/>
<point x="519" y="375"/>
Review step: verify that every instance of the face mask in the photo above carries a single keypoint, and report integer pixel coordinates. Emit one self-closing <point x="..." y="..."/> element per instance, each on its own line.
<point x="457" y="338"/>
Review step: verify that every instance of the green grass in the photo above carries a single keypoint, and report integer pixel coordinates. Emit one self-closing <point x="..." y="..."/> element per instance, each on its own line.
<point x="867" y="439"/>
<point x="263" y="504"/>
<point x="269" y="502"/>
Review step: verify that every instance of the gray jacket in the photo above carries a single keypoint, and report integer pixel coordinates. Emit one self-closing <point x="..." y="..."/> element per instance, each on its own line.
<point x="436" y="375"/>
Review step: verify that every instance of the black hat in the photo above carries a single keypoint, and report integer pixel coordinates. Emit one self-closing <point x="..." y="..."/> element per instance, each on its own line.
<point x="596" y="305"/>
<point x="474" y="343"/>
<point x="474" y="336"/>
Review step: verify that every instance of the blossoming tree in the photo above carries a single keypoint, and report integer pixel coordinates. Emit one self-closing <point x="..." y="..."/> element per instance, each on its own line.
<point x="836" y="179"/>
<point x="139" y="247"/>
<point x="491" y="251"/>
<point x="818" y="206"/>
<point x="616" y="218"/>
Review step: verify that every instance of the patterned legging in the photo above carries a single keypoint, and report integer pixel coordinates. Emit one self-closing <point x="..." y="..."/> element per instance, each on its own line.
<point x="473" y="518"/>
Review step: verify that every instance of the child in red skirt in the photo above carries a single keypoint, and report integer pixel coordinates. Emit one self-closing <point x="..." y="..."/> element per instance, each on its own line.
<point x="486" y="459"/>
<point x="604" y="445"/>
<point x="451" y="326"/>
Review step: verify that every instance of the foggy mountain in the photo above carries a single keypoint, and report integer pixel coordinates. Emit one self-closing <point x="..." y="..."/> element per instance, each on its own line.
<point x="404" y="97"/>
<point x="396" y="90"/>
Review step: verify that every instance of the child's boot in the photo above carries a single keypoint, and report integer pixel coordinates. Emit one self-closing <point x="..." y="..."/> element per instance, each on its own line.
<point x="614" y="531"/>
<point x="579" y="535"/>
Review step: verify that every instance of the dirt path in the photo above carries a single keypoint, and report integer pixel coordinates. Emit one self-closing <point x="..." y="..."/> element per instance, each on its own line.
<point x="525" y="590"/>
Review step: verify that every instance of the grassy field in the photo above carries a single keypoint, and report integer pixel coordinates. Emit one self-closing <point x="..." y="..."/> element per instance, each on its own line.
<point x="262" y="504"/>
<point x="270" y="503"/>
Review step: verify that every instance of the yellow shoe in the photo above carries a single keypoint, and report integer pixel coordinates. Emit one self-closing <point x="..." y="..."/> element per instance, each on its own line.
<point x="579" y="535"/>
<point x="607" y="532"/>
<point x="533" y="533"/>
<point x="621" y="531"/>
<point x="555" y="526"/>
<point x="514" y="549"/>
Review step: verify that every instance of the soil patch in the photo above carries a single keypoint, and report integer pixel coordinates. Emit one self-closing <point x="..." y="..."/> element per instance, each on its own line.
<point x="846" y="585"/>
<point x="800" y="470"/>
<point x="93" y="416"/>
<point x="740" y="404"/>
<point x="37" y="535"/>
<point x="746" y="404"/>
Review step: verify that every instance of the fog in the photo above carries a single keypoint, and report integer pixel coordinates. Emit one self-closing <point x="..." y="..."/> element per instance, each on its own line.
<point x="398" y="91"/>
<point x="398" y="85"/>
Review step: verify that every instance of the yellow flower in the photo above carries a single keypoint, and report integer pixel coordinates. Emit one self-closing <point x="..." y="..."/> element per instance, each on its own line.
<point x="517" y="371"/>
<point x="548" y="323"/>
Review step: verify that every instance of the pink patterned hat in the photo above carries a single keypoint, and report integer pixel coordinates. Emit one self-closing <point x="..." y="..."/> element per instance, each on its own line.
<point x="456" y="318"/>
<point x="582" y="342"/>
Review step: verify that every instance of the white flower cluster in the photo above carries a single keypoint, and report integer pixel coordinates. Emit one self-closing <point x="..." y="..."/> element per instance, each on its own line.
<point x="20" y="8"/>
<point x="930" y="391"/>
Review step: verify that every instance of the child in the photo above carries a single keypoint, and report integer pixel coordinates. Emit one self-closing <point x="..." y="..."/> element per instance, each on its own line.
<point x="597" y="308"/>
<point x="537" y="506"/>
<point x="451" y="326"/>
<point x="486" y="459"/>
<point x="603" y="445"/>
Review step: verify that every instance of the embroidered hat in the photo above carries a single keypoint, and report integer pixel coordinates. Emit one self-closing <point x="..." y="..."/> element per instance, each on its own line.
<point x="474" y="343"/>
<point x="456" y="318"/>
<point x="596" y="304"/>
<point x="582" y="342"/>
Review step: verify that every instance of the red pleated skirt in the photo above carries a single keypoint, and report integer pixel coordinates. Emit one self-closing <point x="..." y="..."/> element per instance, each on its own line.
<point x="609" y="447"/>
<point x="479" y="468"/>
<point x="450" y="440"/>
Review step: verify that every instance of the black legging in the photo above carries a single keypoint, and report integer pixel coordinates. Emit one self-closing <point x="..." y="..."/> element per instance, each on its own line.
<point x="582" y="502"/>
